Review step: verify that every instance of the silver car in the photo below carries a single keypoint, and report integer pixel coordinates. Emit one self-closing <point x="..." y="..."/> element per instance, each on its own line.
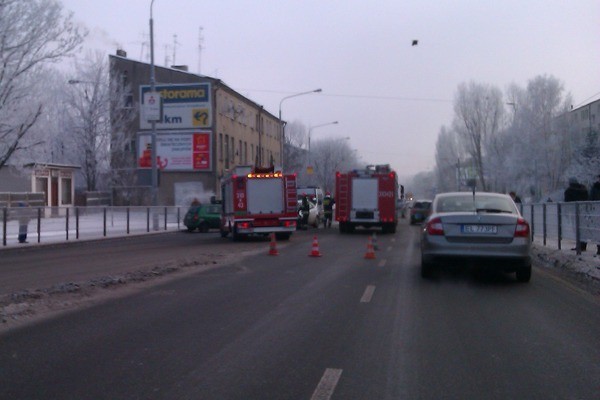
<point x="484" y="227"/>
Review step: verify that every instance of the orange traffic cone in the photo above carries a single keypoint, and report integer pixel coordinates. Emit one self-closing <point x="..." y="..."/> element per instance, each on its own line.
<point x="315" y="248"/>
<point x="273" y="246"/>
<point x="370" y="254"/>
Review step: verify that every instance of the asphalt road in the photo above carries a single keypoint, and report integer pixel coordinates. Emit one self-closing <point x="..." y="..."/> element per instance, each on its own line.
<point x="297" y="327"/>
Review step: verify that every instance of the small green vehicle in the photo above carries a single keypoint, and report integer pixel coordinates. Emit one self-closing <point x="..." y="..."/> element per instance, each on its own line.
<point x="203" y="217"/>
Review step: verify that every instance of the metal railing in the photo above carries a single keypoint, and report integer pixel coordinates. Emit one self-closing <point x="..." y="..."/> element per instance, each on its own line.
<point x="54" y="224"/>
<point x="555" y="223"/>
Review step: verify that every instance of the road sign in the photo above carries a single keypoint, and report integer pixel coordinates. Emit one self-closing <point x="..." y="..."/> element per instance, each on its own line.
<point x="151" y="106"/>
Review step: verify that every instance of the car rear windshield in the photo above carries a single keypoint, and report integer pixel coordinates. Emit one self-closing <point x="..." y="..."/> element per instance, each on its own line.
<point x="422" y="204"/>
<point x="480" y="203"/>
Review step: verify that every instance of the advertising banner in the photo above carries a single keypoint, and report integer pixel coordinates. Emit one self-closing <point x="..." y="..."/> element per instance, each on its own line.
<point x="176" y="151"/>
<point x="186" y="106"/>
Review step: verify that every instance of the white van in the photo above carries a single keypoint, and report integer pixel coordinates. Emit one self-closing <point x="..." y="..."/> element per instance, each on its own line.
<point x="315" y="194"/>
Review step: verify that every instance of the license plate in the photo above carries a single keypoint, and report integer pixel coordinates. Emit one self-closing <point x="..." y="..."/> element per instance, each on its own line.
<point x="484" y="229"/>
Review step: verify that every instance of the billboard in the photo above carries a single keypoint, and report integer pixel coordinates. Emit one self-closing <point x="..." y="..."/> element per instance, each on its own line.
<point x="186" y="106"/>
<point x="176" y="151"/>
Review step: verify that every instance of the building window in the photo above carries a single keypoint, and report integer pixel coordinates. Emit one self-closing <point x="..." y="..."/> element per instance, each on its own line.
<point x="226" y="151"/>
<point x="220" y="147"/>
<point x="245" y="152"/>
<point x="240" y="152"/>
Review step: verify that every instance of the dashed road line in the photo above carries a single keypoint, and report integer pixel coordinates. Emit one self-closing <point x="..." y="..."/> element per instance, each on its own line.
<point x="368" y="295"/>
<point x="327" y="385"/>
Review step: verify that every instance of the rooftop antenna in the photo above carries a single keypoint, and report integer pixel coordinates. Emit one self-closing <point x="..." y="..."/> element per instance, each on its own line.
<point x="200" y="47"/>
<point x="175" y="44"/>
<point x="166" y="56"/>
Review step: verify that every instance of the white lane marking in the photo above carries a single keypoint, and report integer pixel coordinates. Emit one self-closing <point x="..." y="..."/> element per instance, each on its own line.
<point x="327" y="384"/>
<point x="368" y="295"/>
<point x="382" y="263"/>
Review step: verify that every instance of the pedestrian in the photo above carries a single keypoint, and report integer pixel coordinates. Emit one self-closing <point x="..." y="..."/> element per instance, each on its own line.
<point x="595" y="196"/>
<point x="23" y="214"/>
<point x="305" y="208"/>
<point x="515" y="198"/>
<point x="328" y="203"/>
<point x="576" y="192"/>
<point x="195" y="202"/>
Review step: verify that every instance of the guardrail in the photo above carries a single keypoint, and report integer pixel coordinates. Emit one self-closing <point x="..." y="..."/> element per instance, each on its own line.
<point x="54" y="224"/>
<point x="553" y="223"/>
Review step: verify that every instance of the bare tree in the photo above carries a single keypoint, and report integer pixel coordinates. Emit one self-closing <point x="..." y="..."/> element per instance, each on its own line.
<point x="329" y="156"/>
<point x="448" y="155"/>
<point x="478" y="112"/>
<point x="96" y="107"/>
<point x="294" y="148"/>
<point x="32" y="34"/>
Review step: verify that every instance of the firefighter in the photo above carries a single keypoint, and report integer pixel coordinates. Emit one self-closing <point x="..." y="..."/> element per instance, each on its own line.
<point x="305" y="208"/>
<point x="328" y="203"/>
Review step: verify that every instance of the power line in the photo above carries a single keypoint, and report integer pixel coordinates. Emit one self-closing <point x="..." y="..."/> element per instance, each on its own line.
<point x="356" y="96"/>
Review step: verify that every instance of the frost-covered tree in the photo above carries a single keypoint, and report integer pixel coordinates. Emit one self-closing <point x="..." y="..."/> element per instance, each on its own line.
<point x="448" y="155"/>
<point x="478" y="115"/>
<point x="294" y="147"/>
<point x="327" y="156"/>
<point x="33" y="33"/>
<point x="97" y="118"/>
<point x="541" y="147"/>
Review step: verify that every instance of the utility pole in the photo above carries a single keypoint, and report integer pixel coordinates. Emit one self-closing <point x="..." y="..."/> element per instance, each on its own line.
<point x="200" y="47"/>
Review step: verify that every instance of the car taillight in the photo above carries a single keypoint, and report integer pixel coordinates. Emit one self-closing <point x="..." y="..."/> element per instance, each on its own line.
<point x="435" y="227"/>
<point x="243" y="225"/>
<point x="289" y="224"/>
<point x="522" y="228"/>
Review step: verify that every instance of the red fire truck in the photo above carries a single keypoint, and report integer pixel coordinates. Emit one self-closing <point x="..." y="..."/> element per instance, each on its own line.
<point x="367" y="198"/>
<point x="258" y="201"/>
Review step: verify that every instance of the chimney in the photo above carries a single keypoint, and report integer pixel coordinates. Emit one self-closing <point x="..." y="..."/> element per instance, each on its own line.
<point x="121" y="53"/>
<point x="180" y="67"/>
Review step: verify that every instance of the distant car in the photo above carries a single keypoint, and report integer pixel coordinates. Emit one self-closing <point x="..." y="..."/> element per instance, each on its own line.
<point x="419" y="210"/>
<point x="203" y="217"/>
<point x="485" y="227"/>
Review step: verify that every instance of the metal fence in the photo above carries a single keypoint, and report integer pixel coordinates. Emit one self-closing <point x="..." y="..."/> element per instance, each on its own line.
<point x="555" y="223"/>
<point x="48" y="224"/>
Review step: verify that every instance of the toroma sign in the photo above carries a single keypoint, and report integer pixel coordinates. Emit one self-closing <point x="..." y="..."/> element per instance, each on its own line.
<point x="186" y="106"/>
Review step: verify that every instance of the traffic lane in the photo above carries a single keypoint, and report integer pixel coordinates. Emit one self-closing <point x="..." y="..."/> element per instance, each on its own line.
<point x="472" y="336"/>
<point x="38" y="267"/>
<point x="227" y="332"/>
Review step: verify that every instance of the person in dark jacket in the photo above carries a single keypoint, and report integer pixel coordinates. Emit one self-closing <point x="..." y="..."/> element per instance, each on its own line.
<point x="576" y="192"/>
<point x="328" y="203"/>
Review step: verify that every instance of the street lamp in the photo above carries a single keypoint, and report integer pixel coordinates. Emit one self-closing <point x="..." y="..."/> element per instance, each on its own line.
<point x="315" y="127"/>
<point x="153" y="123"/>
<point x="281" y="122"/>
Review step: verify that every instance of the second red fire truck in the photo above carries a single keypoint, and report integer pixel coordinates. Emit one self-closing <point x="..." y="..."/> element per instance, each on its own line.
<point x="367" y="198"/>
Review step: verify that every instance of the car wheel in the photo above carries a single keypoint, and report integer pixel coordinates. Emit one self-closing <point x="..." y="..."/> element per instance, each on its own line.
<point x="524" y="274"/>
<point x="190" y="229"/>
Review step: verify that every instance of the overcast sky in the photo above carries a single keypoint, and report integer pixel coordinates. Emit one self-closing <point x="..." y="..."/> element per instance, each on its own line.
<point x="390" y="97"/>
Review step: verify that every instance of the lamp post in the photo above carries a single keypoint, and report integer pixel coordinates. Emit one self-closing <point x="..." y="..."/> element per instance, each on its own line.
<point x="281" y="122"/>
<point x="153" y="123"/>
<point x="315" y="127"/>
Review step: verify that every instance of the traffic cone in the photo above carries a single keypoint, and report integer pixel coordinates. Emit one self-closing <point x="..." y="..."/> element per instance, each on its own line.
<point x="370" y="254"/>
<point x="375" y="241"/>
<point x="315" y="248"/>
<point x="273" y="246"/>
